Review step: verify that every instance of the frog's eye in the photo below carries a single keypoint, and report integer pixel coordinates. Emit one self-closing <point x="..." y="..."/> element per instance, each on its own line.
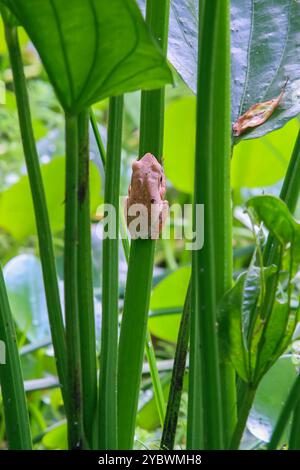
<point x="161" y="179"/>
<point x="135" y="165"/>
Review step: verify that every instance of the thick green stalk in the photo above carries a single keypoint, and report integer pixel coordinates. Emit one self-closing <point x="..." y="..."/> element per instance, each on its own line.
<point x="157" y="388"/>
<point x="212" y="265"/>
<point x="290" y="405"/>
<point x="222" y="205"/>
<point x="85" y="282"/>
<point x="149" y="349"/>
<point x="170" y="424"/>
<point x="12" y="387"/>
<point x="74" y="409"/>
<point x="150" y="352"/>
<point x="141" y="260"/>
<point x="40" y="207"/>
<point x="195" y="421"/>
<point x="242" y="417"/>
<point x="133" y="336"/>
<point x="108" y="437"/>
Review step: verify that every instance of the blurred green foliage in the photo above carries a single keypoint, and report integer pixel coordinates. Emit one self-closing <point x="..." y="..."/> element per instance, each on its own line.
<point x="256" y="164"/>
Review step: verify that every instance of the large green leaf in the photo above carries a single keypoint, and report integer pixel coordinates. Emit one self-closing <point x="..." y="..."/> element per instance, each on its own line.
<point x="16" y="208"/>
<point x="92" y="49"/>
<point x="265" y="51"/>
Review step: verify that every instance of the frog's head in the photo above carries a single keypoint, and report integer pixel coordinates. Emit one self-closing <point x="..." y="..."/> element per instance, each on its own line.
<point x="149" y="173"/>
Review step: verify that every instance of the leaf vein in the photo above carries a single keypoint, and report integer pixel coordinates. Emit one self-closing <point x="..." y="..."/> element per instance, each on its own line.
<point x="63" y="47"/>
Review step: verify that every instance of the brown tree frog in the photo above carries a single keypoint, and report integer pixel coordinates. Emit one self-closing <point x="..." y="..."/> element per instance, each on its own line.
<point x="146" y="210"/>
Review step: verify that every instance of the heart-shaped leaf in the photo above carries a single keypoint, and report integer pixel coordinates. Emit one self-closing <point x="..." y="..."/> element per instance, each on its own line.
<point x="92" y="49"/>
<point x="265" y="50"/>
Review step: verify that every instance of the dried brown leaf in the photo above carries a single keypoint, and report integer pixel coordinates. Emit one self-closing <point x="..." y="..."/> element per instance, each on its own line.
<point x="257" y="114"/>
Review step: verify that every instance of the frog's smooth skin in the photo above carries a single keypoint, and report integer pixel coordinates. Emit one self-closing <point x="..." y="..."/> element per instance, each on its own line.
<point x="148" y="187"/>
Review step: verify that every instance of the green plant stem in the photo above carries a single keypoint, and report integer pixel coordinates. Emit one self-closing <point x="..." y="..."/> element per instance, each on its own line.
<point x="74" y="409"/>
<point x="212" y="264"/>
<point x="242" y="417"/>
<point x="157" y="388"/>
<point x="40" y="208"/>
<point x="110" y="287"/>
<point x="141" y="260"/>
<point x="222" y="211"/>
<point x="289" y="406"/>
<point x="290" y="194"/>
<point x="85" y="282"/>
<point x="12" y="387"/>
<point x="170" y="424"/>
<point x="132" y="336"/>
<point x="294" y="441"/>
<point x="150" y="352"/>
<point x="97" y="136"/>
<point x="291" y="185"/>
<point x="195" y="431"/>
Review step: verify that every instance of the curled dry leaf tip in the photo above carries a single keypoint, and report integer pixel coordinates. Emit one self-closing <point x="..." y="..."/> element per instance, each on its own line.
<point x="257" y="114"/>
